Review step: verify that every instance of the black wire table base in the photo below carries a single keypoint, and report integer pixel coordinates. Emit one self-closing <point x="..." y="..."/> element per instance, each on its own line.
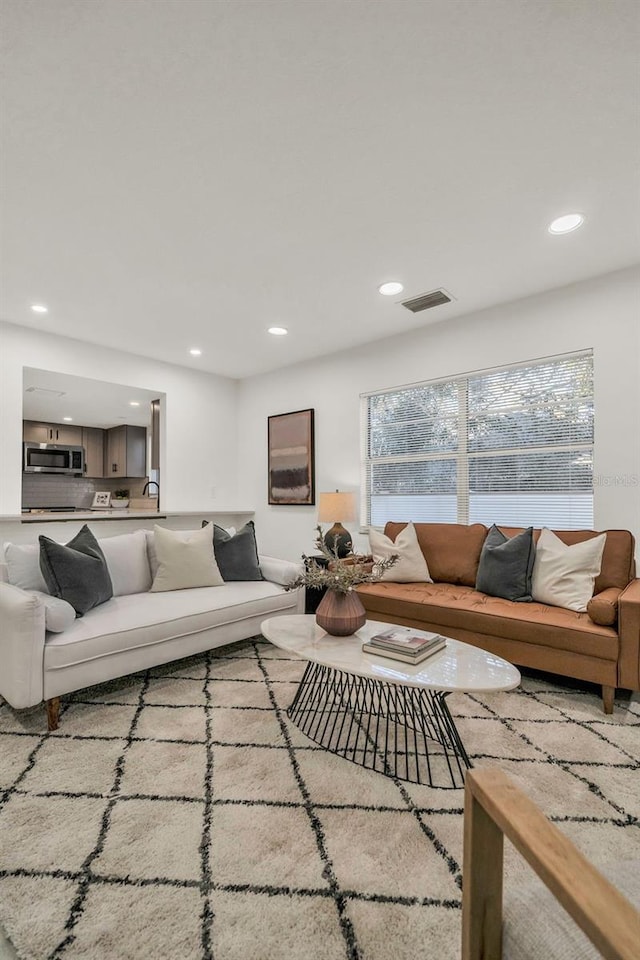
<point x="400" y="731"/>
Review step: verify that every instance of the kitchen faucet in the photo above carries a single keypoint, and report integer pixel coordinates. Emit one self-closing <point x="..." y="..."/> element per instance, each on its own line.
<point x="146" y="487"/>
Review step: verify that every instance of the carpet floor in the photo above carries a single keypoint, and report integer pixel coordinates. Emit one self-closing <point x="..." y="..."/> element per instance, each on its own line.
<point x="180" y="814"/>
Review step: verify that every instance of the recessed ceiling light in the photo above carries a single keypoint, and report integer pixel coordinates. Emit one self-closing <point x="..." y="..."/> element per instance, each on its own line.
<point x="134" y="403"/>
<point x="195" y="352"/>
<point x="566" y="223"/>
<point x="278" y="331"/>
<point x="39" y="308"/>
<point x="68" y="419"/>
<point x="391" y="288"/>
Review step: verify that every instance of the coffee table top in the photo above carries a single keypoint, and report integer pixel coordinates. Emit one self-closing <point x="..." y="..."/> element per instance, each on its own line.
<point x="459" y="666"/>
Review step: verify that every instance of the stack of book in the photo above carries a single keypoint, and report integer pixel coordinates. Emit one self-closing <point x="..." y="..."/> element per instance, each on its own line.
<point x="403" y="644"/>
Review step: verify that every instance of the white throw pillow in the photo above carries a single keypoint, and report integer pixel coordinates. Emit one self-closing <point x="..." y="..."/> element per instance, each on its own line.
<point x="411" y="566"/>
<point x="23" y="566"/>
<point x="563" y="576"/>
<point x="58" y="614"/>
<point x="128" y="563"/>
<point x="185" y="559"/>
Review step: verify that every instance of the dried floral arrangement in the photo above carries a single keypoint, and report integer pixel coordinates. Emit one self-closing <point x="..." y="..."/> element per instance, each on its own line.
<point x="341" y="575"/>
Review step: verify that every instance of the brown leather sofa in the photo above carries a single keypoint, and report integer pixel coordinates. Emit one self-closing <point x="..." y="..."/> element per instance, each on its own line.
<point x="601" y="646"/>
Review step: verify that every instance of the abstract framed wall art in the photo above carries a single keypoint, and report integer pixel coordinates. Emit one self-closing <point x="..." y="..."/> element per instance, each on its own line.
<point x="291" y="458"/>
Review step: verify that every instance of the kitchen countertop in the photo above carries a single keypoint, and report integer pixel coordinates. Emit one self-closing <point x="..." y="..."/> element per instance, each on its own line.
<point x="52" y="517"/>
<point x="91" y="515"/>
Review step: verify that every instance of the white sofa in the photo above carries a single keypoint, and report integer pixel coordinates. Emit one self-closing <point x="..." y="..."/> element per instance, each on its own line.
<point x="130" y="632"/>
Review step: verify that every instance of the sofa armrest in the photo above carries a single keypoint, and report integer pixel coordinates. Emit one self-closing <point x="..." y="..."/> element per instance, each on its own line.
<point x="629" y="633"/>
<point x="280" y="571"/>
<point x="21" y="646"/>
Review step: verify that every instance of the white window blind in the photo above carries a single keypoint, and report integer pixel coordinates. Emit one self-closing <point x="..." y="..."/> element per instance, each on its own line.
<point x="512" y="446"/>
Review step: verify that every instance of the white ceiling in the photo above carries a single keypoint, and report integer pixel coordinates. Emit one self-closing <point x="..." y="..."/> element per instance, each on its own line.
<point x="185" y="173"/>
<point x="51" y="397"/>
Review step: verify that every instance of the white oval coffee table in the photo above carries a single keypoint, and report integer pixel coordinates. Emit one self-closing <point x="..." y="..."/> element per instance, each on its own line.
<point x="385" y="714"/>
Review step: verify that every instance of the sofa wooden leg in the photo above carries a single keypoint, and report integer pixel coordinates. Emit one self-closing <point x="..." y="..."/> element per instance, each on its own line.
<point x="53" y="711"/>
<point x="608" y="696"/>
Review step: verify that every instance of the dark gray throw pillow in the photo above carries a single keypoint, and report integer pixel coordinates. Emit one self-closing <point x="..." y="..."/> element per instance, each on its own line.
<point x="237" y="555"/>
<point x="77" y="572"/>
<point x="506" y="565"/>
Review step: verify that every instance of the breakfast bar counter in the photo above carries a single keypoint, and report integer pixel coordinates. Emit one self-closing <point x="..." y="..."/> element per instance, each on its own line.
<point x="40" y="516"/>
<point x="46" y="516"/>
<point x="23" y="527"/>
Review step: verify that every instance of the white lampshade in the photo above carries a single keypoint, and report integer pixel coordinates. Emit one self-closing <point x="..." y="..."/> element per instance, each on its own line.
<point x="338" y="506"/>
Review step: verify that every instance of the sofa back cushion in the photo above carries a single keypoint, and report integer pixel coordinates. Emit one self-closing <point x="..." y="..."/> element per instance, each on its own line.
<point x="618" y="564"/>
<point x="126" y="556"/>
<point x="452" y="550"/>
<point x="23" y="566"/>
<point x="128" y="563"/>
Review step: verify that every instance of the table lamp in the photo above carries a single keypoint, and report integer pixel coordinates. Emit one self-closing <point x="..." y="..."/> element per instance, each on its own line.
<point x="339" y="504"/>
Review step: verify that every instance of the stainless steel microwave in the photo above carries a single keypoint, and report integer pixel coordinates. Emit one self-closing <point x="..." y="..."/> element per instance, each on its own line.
<point x="52" y="458"/>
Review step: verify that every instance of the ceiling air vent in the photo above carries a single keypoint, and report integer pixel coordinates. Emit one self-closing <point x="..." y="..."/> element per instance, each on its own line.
<point x="426" y="301"/>
<point x="44" y="391"/>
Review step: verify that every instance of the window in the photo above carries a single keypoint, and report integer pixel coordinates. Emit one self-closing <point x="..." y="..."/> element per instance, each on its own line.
<point x="512" y="446"/>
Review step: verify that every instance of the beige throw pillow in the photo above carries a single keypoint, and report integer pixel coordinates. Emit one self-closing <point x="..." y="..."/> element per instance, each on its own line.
<point x="563" y="576"/>
<point x="185" y="559"/>
<point x="411" y="566"/>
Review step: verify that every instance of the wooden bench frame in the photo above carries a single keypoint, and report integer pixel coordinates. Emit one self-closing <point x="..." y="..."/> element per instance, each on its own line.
<point x="495" y="808"/>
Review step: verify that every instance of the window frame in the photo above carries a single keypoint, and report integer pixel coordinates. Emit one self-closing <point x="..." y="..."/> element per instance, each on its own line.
<point x="462" y="455"/>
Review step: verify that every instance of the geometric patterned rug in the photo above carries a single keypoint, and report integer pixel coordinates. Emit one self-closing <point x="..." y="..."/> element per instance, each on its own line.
<point x="179" y="814"/>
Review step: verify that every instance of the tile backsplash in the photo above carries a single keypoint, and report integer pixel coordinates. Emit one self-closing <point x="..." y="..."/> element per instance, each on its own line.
<point x="50" y="490"/>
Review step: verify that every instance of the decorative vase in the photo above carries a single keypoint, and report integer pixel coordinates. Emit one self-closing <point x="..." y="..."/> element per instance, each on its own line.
<point x="341" y="614"/>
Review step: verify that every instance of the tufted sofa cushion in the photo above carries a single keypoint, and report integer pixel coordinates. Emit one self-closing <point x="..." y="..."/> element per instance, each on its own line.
<point x="443" y="605"/>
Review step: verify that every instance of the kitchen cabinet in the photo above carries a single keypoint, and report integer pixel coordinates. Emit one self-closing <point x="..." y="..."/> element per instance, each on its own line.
<point x="38" y="432"/>
<point x="93" y="441"/>
<point x="65" y="433"/>
<point x="35" y="432"/>
<point x="126" y="451"/>
<point x="116" y="452"/>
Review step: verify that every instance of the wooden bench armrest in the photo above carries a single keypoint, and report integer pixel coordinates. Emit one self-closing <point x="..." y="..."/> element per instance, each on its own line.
<point x="495" y="808"/>
<point x="629" y="632"/>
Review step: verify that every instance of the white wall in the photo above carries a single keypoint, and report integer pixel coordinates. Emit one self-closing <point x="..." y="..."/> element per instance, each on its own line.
<point x="199" y="442"/>
<point x="214" y="424"/>
<point x="602" y="314"/>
